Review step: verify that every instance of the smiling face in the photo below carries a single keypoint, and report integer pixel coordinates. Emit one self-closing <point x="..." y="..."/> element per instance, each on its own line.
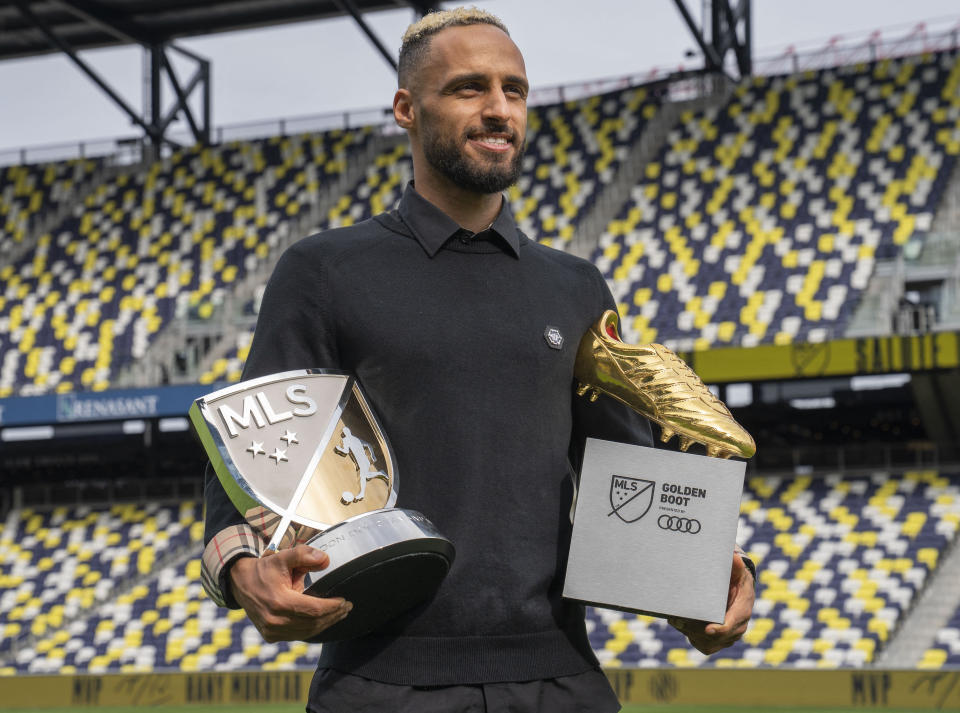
<point x="466" y="110"/>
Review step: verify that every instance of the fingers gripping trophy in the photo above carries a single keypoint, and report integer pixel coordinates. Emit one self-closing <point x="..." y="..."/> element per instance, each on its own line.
<point x="303" y="458"/>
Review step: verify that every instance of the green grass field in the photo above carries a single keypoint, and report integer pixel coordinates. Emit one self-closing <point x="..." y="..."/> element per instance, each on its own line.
<point x="286" y="708"/>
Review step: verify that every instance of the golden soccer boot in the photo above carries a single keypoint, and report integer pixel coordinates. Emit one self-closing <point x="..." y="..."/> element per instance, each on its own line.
<point x="656" y="383"/>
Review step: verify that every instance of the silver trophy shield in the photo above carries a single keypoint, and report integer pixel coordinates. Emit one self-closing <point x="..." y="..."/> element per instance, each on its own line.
<point x="303" y="458"/>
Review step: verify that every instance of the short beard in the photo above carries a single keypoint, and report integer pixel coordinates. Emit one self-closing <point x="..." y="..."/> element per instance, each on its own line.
<point x="449" y="159"/>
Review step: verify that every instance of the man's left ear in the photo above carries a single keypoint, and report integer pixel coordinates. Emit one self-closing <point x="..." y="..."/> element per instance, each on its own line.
<point x="403" y="112"/>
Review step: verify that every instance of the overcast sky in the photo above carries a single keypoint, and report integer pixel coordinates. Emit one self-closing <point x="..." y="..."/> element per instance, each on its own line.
<point x="327" y="66"/>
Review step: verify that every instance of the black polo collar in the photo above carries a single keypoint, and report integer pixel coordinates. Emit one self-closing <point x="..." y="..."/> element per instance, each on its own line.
<point x="433" y="228"/>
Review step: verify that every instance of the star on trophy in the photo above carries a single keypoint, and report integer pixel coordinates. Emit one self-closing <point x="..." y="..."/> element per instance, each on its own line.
<point x="302" y="457"/>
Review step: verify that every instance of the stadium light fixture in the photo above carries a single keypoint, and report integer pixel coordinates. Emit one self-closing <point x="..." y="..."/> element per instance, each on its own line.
<point x="134" y="426"/>
<point x="27" y="433"/>
<point x="878" y="381"/>
<point x="173" y="425"/>
<point x="739" y="395"/>
<point x="813" y="403"/>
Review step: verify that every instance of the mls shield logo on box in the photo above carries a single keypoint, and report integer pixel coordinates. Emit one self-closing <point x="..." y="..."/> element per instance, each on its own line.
<point x="630" y="498"/>
<point x="304" y="444"/>
<point x="641" y="510"/>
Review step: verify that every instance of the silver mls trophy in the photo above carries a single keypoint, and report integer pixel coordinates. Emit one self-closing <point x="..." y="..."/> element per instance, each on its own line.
<point x="302" y="457"/>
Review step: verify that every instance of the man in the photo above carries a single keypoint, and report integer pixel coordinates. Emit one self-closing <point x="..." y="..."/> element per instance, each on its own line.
<point x="463" y="333"/>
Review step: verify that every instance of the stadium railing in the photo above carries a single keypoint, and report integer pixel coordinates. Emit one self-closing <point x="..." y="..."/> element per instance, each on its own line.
<point x="683" y="83"/>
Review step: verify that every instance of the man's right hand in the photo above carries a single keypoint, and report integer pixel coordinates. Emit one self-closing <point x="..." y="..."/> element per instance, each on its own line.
<point x="270" y="590"/>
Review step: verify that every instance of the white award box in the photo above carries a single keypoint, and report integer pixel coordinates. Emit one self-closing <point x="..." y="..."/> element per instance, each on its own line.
<point x="654" y="531"/>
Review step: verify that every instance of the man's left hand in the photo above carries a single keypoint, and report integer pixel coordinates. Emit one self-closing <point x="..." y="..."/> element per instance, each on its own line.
<point x="710" y="638"/>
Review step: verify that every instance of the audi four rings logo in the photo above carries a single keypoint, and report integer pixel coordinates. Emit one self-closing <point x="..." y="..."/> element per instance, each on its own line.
<point x="679" y="524"/>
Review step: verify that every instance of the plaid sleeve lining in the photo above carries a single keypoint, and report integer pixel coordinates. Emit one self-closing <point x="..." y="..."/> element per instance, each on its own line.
<point x="226" y="546"/>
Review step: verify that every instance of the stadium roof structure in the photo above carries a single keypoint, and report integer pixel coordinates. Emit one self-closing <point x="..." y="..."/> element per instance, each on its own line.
<point x="34" y="27"/>
<point x="87" y="24"/>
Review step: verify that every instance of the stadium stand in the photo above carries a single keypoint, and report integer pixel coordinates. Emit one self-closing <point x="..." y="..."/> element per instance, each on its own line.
<point x="573" y="149"/>
<point x="761" y="219"/>
<point x="376" y="192"/>
<point x="947" y="651"/>
<point x="30" y="192"/>
<point x="174" y="239"/>
<point x="230" y="366"/>
<point x="841" y="560"/>
<point x="60" y="565"/>
<point x="148" y="245"/>
<point x="87" y="590"/>
<point x="165" y="623"/>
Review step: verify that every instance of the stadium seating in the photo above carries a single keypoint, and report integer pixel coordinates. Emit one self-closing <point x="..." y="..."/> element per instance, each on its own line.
<point x="148" y="245"/>
<point x="761" y="220"/>
<point x="164" y="623"/>
<point x="229" y="367"/>
<point x="30" y="191"/>
<point x="840" y="560"/>
<point x="777" y="202"/>
<point x="87" y="590"/>
<point x="58" y="566"/>
<point x="573" y="150"/>
<point x="946" y="652"/>
<point x="376" y="192"/>
<point x="174" y="238"/>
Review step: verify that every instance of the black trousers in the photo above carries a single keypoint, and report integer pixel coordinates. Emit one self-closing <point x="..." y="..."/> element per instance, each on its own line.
<point x="335" y="692"/>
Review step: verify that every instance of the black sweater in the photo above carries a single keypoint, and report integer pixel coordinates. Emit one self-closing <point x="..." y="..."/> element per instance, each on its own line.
<point x="446" y="332"/>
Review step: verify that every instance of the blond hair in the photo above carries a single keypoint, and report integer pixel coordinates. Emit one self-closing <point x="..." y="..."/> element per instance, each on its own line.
<point x="416" y="39"/>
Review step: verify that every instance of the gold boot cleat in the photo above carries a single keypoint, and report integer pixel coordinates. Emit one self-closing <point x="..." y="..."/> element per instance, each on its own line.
<point x="656" y="383"/>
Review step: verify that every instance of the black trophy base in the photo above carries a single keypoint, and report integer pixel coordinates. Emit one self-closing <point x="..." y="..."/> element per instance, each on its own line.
<point x="384" y="562"/>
